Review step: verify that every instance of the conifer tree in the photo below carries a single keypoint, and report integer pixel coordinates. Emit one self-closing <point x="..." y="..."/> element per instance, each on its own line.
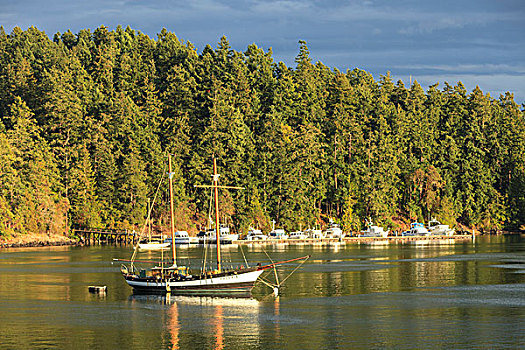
<point x="88" y="118"/>
<point x="37" y="207"/>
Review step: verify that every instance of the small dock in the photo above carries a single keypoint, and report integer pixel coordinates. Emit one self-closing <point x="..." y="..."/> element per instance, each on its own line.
<point x="92" y="236"/>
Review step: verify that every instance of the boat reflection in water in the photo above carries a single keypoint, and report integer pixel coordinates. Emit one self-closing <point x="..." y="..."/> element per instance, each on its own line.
<point x="173" y="325"/>
<point x="217" y="321"/>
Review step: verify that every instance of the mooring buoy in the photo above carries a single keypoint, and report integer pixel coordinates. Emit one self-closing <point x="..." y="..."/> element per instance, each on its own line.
<point x="98" y="289"/>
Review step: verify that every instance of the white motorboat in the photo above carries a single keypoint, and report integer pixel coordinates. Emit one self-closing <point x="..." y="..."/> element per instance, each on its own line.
<point x="416" y="229"/>
<point x="297" y="235"/>
<point x="437" y="228"/>
<point x="182" y="237"/>
<point x="314" y="233"/>
<point x="373" y="230"/>
<point x="227" y="236"/>
<point x="204" y="237"/>
<point x="153" y="245"/>
<point x="334" y="231"/>
<point x="256" y="235"/>
<point x="210" y="237"/>
<point x="278" y="234"/>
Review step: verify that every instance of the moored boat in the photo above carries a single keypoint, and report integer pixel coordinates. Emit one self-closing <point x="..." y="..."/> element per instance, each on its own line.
<point x="373" y="230"/>
<point x="314" y="233"/>
<point x="297" y="235"/>
<point x="210" y="236"/>
<point x="334" y="231"/>
<point x="278" y="233"/>
<point x="172" y="278"/>
<point x="436" y="228"/>
<point x="182" y="237"/>
<point x="153" y="245"/>
<point x="256" y="235"/>
<point x="227" y="236"/>
<point x="416" y="229"/>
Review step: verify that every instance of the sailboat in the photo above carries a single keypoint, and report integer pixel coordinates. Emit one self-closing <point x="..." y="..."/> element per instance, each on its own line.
<point x="180" y="280"/>
<point x="152" y="244"/>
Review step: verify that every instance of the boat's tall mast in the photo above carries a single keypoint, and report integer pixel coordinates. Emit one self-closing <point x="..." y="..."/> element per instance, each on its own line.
<point x="217" y="227"/>
<point x="172" y="216"/>
<point x="149" y="221"/>
<point x="215" y="186"/>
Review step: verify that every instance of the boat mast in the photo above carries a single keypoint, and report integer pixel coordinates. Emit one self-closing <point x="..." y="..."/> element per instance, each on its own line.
<point x="172" y="216"/>
<point x="217" y="227"/>
<point x="149" y="221"/>
<point x="215" y="186"/>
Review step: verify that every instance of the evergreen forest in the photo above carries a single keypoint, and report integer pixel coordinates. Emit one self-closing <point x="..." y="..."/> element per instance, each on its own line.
<point x="88" y="119"/>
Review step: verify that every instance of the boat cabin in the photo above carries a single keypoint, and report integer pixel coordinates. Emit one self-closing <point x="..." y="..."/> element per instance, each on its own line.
<point x="256" y="235"/>
<point x="297" y="235"/>
<point x="278" y="234"/>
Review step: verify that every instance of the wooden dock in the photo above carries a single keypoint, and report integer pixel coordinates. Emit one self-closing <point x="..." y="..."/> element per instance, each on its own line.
<point x="91" y="236"/>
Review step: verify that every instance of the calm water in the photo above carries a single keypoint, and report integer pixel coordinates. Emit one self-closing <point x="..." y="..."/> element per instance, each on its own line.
<point x="461" y="296"/>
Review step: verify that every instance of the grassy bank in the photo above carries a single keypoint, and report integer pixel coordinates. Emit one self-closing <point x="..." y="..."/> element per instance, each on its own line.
<point x="35" y="240"/>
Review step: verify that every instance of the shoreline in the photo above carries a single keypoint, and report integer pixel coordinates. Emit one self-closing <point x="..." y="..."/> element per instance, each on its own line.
<point x="54" y="240"/>
<point x="33" y="240"/>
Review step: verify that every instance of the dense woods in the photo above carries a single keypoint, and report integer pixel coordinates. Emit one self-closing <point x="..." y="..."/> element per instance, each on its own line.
<point x="87" y="121"/>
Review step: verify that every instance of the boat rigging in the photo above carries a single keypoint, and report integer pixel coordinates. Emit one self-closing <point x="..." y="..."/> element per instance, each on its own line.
<point x="179" y="279"/>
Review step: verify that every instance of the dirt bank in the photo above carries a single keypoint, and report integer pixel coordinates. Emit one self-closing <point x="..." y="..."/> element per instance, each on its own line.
<point x="34" y="240"/>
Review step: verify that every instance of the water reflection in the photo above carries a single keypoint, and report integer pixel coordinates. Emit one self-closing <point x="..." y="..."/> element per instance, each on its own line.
<point x="276" y="314"/>
<point x="212" y="322"/>
<point x="173" y="326"/>
<point x="219" y="328"/>
<point x="400" y="296"/>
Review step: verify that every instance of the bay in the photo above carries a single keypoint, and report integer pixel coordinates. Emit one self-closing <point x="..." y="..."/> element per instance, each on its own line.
<point x="467" y="295"/>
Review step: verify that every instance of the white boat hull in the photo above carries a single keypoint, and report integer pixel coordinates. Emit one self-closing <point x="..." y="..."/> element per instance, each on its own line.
<point x="153" y="246"/>
<point x="241" y="282"/>
<point x="298" y="237"/>
<point x="257" y="238"/>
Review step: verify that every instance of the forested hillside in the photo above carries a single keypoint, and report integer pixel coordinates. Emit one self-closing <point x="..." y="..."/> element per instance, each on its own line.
<point x="87" y="121"/>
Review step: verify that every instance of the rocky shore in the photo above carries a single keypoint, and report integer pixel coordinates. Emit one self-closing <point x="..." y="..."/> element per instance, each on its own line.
<point x="32" y="240"/>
